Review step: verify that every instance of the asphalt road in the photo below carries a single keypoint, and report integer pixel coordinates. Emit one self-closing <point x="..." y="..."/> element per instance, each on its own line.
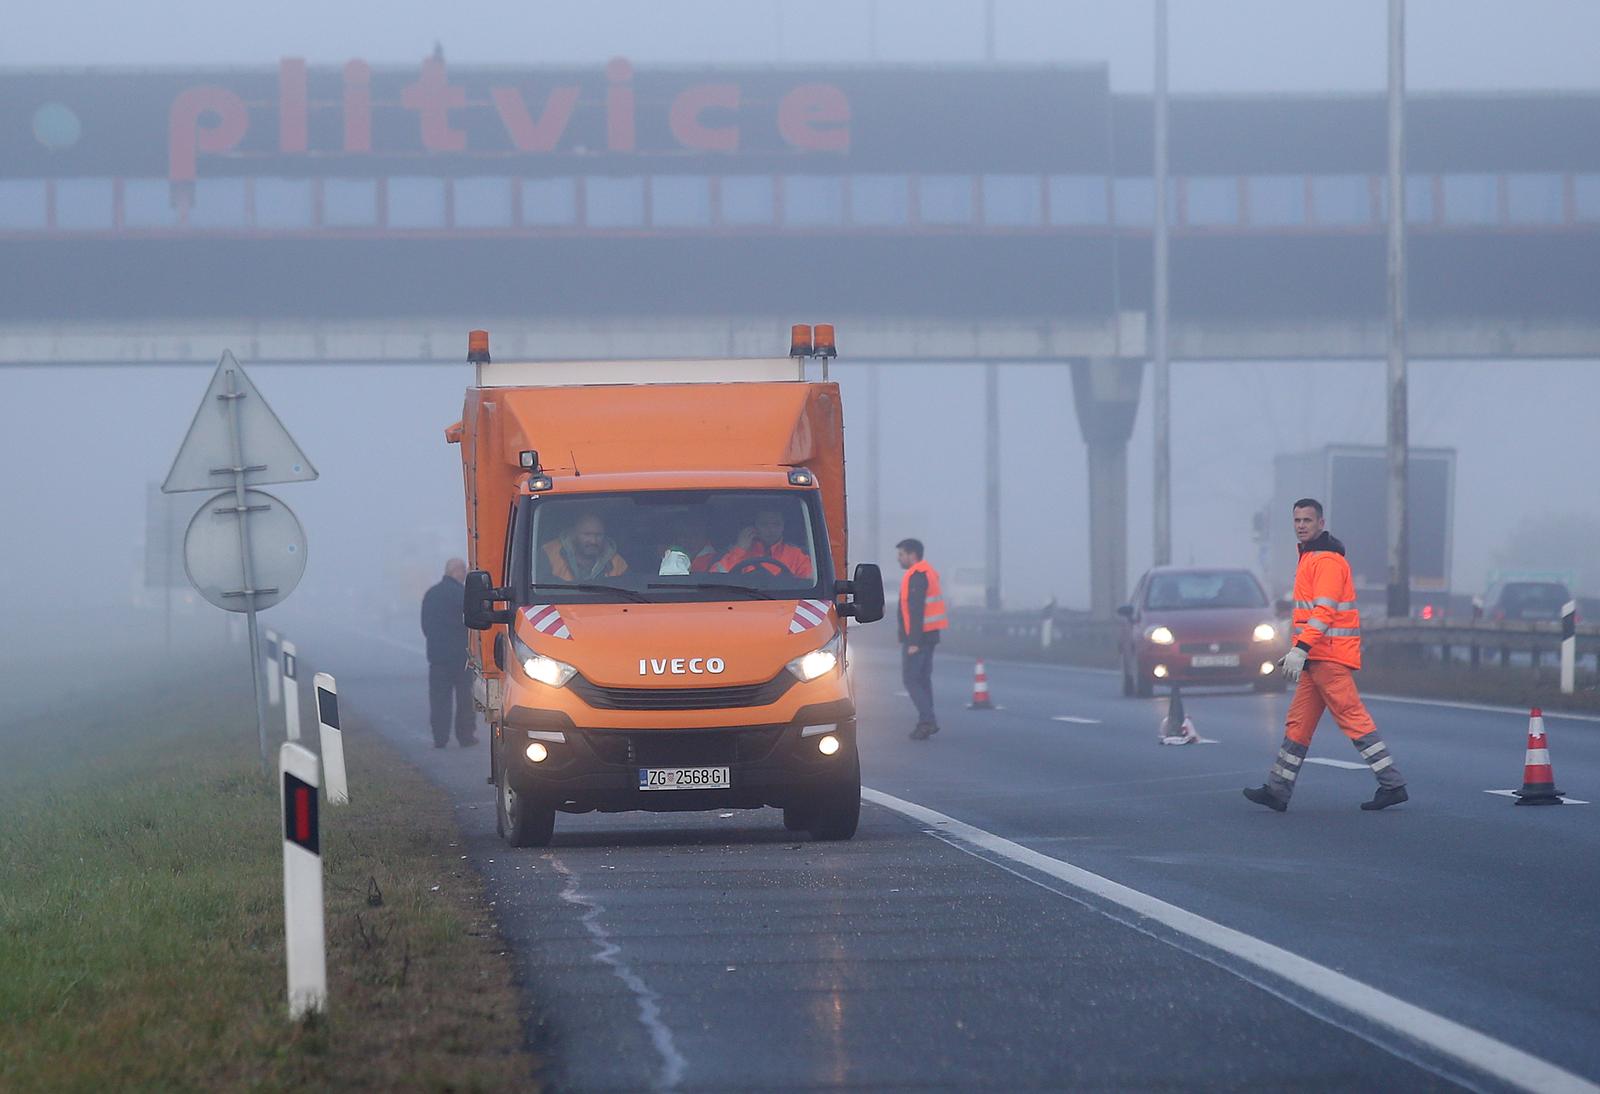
<point x="989" y="944"/>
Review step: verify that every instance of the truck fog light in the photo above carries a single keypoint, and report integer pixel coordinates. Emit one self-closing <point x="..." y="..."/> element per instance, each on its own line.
<point x="828" y="745"/>
<point x="1266" y="668"/>
<point x="537" y="752"/>
<point x="1159" y="672"/>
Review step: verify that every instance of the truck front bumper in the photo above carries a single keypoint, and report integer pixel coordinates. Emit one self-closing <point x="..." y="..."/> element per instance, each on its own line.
<point x="588" y="769"/>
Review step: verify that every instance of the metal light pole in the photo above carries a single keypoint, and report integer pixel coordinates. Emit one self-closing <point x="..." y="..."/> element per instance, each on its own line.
<point x="1399" y="438"/>
<point x="1161" y="396"/>
<point x="991" y="421"/>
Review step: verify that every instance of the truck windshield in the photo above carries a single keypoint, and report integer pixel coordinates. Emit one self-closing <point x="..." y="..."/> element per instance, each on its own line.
<point x="675" y="546"/>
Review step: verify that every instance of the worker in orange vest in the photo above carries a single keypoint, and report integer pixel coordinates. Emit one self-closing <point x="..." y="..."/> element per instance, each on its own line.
<point x="922" y="617"/>
<point x="584" y="553"/>
<point x="760" y="544"/>
<point x="1327" y="649"/>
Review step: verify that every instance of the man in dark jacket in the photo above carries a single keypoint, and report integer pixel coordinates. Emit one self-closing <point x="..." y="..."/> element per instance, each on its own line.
<point x="922" y="617"/>
<point x="449" y="680"/>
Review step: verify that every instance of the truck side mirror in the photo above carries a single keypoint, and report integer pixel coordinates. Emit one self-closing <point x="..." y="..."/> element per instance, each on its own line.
<point x="866" y="588"/>
<point x="478" y="600"/>
<point x="1126" y="611"/>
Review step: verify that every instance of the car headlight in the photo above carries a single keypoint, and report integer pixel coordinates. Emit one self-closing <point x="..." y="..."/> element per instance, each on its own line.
<point x="537" y="666"/>
<point x="1264" y="632"/>
<point x="1161" y="636"/>
<point x="819" y="662"/>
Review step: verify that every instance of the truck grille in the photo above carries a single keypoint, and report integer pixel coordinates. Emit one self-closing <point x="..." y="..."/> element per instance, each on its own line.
<point x="742" y="695"/>
<point x="684" y="747"/>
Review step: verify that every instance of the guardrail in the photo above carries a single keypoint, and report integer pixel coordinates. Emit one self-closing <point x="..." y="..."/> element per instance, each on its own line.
<point x="1066" y="635"/>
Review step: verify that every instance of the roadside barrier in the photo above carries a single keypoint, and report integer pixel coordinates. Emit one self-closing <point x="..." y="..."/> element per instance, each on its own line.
<point x="332" y="739"/>
<point x="1538" y="780"/>
<point x="289" y="664"/>
<point x="304" y="935"/>
<point x="274" y="682"/>
<point x="980" y="689"/>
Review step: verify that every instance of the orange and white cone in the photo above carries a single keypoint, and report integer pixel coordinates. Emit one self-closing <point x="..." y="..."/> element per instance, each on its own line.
<point x="980" y="689"/>
<point x="1538" y="780"/>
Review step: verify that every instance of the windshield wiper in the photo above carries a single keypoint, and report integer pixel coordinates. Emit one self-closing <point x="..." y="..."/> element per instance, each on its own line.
<point x="585" y="587"/>
<point x="715" y="586"/>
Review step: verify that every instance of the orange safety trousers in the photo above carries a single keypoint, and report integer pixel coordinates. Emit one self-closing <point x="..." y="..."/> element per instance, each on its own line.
<point x="1327" y="685"/>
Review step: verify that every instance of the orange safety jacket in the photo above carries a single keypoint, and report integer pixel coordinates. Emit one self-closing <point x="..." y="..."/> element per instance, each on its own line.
<point x="794" y="558"/>
<point x="933" y="614"/>
<point x="563" y="572"/>
<point x="1326" y="623"/>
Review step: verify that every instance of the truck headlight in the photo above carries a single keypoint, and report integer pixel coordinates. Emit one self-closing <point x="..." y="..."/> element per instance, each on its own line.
<point x="1265" y="632"/>
<point x="819" y="662"/>
<point x="537" y="666"/>
<point x="1161" y="636"/>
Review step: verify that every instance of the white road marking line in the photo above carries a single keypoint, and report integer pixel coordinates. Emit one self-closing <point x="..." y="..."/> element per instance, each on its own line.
<point x="609" y="953"/>
<point x="1075" y="720"/>
<point x="1451" y="1039"/>
<point x="1513" y="793"/>
<point x="1347" y="765"/>
<point x="1521" y="711"/>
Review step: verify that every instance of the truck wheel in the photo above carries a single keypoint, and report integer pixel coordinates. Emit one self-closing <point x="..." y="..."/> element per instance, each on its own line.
<point x="520" y="820"/>
<point x="837" y="812"/>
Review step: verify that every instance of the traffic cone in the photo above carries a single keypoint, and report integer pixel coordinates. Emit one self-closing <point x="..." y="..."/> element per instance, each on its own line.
<point x="1176" y="728"/>
<point x="1538" y="781"/>
<point x="980" y="689"/>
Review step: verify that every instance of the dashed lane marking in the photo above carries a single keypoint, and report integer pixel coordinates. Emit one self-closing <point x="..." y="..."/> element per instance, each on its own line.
<point x="1563" y="797"/>
<point x="1075" y="720"/>
<point x="1346" y="765"/>
<point x="1449" y="1039"/>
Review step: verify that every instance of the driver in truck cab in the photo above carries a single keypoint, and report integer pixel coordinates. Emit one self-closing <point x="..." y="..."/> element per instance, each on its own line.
<point x="584" y="552"/>
<point x="763" y="539"/>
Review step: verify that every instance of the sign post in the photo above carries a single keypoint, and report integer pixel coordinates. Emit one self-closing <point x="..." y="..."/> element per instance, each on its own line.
<point x="304" y="937"/>
<point x="332" y="739"/>
<point x="291" y="690"/>
<point x="245" y="550"/>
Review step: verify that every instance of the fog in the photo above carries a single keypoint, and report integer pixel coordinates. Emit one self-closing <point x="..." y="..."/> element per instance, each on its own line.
<point x="80" y="444"/>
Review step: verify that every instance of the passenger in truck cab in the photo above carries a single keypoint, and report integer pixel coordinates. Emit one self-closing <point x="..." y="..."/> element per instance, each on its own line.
<point x="763" y="539"/>
<point x="584" y="552"/>
<point x="689" y="549"/>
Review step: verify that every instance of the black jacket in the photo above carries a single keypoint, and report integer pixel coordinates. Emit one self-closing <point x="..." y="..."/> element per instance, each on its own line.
<point x="443" y="623"/>
<point x="916" y="604"/>
<point x="1323" y="542"/>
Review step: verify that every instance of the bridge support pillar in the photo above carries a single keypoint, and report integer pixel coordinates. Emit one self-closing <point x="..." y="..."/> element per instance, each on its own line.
<point x="1106" y="393"/>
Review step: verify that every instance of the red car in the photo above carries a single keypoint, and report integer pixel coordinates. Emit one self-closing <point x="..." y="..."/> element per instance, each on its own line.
<point x="1200" y="626"/>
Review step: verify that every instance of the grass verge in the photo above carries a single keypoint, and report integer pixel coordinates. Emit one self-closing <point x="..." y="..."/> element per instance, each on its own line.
<point x="141" y="915"/>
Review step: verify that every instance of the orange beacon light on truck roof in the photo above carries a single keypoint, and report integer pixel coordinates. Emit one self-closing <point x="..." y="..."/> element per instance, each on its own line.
<point x="478" y="346"/>
<point x="823" y="345"/>
<point x="800" y="340"/>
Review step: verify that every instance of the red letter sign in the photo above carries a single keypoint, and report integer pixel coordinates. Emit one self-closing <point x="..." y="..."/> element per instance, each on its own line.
<point x="691" y="132"/>
<point x="815" y="118"/>
<point x="186" y="136"/>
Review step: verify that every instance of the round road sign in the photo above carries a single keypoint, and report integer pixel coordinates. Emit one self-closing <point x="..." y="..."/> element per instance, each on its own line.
<point x="277" y="551"/>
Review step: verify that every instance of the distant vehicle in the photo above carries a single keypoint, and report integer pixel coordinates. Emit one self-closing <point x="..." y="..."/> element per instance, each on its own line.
<point x="1526" y="601"/>
<point x="1200" y="626"/>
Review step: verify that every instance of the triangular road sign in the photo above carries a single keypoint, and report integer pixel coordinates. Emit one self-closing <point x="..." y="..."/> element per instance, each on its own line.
<point x="267" y="452"/>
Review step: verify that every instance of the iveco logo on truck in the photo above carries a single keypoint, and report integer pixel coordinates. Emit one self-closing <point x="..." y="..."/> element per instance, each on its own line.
<point x="679" y="666"/>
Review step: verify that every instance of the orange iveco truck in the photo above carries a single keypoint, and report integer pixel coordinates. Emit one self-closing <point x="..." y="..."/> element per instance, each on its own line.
<point x="655" y="549"/>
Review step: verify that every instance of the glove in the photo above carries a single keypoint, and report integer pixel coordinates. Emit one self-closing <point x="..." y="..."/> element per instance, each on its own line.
<point x="1293" y="662"/>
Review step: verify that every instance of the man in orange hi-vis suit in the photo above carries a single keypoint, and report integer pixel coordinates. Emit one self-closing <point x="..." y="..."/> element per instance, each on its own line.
<point x="1327" y="649"/>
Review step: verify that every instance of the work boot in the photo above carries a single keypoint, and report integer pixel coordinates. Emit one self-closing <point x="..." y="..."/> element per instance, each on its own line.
<point x="1263" y="795"/>
<point x="922" y="732"/>
<point x="1383" y="799"/>
<point x="933" y="727"/>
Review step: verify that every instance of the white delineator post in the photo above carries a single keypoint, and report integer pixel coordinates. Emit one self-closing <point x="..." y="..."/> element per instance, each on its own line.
<point x="304" y="939"/>
<point x="332" y="740"/>
<point x="1569" y="646"/>
<point x="291" y="691"/>
<point x="273" y="668"/>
